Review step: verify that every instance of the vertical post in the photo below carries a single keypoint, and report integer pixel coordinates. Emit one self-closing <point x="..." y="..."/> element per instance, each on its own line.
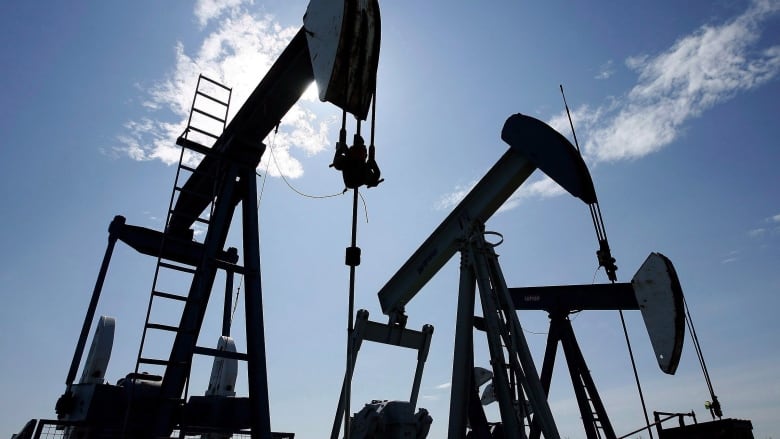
<point x="253" y="297"/>
<point x="113" y="232"/>
<point x="463" y="356"/>
<point x="550" y="350"/>
<point x="352" y="259"/>
<point x="227" y="315"/>
<point x="357" y="341"/>
<point x="422" y="355"/>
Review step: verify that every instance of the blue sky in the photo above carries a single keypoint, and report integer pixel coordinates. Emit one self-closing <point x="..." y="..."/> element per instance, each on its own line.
<point x="675" y="106"/>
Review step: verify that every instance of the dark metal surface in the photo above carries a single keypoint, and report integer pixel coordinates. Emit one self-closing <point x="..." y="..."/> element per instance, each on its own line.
<point x="253" y="305"/>
<point x="352" y="83"/>
<point x="566" y="298"/>
<point x="552" y="153"/>
<point x="149" y="242"/>
<point x="720" y="429"/>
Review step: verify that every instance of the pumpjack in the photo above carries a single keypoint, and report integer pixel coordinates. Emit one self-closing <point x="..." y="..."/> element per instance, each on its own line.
<point x="338" y="48"/>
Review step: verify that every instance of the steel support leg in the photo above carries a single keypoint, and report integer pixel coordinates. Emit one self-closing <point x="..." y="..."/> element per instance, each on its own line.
<point x="227" y="308"/>
<point x="512" y="426"/>
<point x="553" y="337"/>
<point x="463" y="356"/>
<point x="180" y="359"/>
<point x="356" y="339"/>
<point x="529" y="377"/>
<point x="253" y="297"/>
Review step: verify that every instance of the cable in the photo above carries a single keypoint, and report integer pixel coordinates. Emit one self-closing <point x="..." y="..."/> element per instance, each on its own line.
<point x="534" y="332"/>
<point x="715" y="409"/>
<point x="235" y="302"/>
<point x="606" y="260"/>
<point x="267" y="166"/>
<point x="636" y="374"/>
<point x="365" y="207"/>
<point x="593" y="281"/>
<point x="273" y="156"/>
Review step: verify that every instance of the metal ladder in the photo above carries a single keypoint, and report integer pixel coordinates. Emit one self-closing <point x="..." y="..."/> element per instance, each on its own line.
<point x="208" y="115"/>
<point x="594" y="416"/>
<point x="601" y="428"/>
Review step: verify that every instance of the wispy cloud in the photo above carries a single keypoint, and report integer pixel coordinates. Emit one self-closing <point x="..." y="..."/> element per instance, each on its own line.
<point x="206" y="10"/>
<point x="605" y="71"/>
<point x="449" y="200"/>
<point x="238" y="52"/>
<point x="436" y="392"/>
<point x="541" y="188"/>
<point x="770" y="228"/>
<point x="729" y="260"/>
<point x="700" y="70"/>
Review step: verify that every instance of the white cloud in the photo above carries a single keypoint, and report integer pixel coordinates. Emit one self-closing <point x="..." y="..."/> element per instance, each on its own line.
<point x="450" y="200"/>
<point x="207" y="10"/>
<point x="605" y="71"/>
<point x="444" y="386"/>
<point x="770" y="229"/>
<point x="541" y="188"/>
<point x="545" y="187"/>
<point x="700" y="70"/>
<point x="238" y="52"/>
<point x="732" y="256"/>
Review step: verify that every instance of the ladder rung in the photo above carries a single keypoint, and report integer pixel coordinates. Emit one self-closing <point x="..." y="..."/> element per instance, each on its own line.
<point x="227" y="266"/>
<point x="217" y="353"/>
<point x="153" y="361"/>
<point x="169" y="296"/>
<point x="204" y="132"/>
<point x="219" y="101"/>
<point x="194" y="146"/>
<point x="162" y="327"/>
<point x="177" y="267"/>
<point x="214" y="82"/>
<point x="199" y="111"/>
<point x="196" y="170"/>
